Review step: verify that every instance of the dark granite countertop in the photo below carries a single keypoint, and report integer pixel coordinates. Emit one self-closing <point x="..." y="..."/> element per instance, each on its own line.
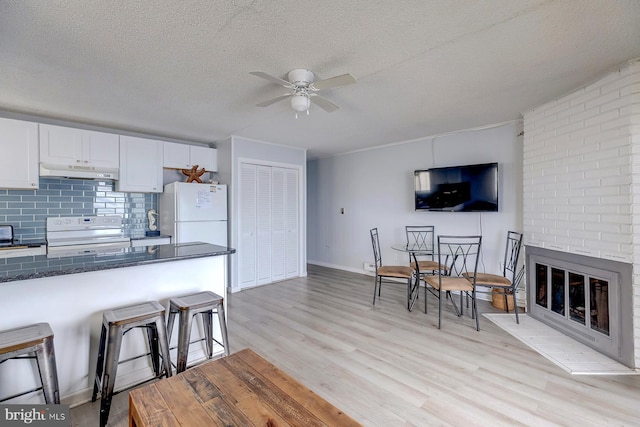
<point x="34" y="267"/>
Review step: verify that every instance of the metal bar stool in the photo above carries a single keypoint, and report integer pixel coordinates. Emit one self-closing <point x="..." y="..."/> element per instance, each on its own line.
<point x="116" y="323"/>
<point x="33" y="342"/>
<point x="205" y="303"/>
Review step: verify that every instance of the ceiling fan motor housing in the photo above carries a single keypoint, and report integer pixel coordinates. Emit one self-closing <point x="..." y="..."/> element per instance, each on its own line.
<point x="301" y="77"/>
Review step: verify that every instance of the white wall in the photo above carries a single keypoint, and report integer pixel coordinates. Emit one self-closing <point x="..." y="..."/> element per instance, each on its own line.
<point x="375" y="188"/>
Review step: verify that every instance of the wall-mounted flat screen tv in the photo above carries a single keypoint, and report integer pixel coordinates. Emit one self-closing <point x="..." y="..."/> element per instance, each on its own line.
<point x="470" y="188"/>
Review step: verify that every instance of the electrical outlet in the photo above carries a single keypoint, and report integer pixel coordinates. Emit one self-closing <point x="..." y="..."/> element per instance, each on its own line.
<point x="369" y="266"/>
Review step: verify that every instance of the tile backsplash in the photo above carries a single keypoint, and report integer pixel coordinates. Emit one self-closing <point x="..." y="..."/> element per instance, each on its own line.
<point x="27" y="210"/>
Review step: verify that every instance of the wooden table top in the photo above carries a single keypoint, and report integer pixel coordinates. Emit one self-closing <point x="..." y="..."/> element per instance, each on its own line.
<point x="242" y="389"/>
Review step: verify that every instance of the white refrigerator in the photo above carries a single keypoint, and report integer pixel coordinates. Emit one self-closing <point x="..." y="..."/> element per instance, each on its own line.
<point x="192" y="212"/>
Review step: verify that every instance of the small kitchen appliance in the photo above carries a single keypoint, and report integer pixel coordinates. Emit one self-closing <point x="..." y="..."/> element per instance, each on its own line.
<point x="6" y="235"/>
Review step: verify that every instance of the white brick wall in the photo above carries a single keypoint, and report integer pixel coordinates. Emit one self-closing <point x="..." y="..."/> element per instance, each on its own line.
<point x="581" y="174"/>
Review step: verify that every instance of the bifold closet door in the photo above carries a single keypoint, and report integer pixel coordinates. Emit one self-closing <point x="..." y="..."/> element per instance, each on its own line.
<point x="264" y="251"/>
<point x="278" y="224"/>
<point x="292" y="223"/>
<point x="247" y="226"/>
<point x="269" y="221"/>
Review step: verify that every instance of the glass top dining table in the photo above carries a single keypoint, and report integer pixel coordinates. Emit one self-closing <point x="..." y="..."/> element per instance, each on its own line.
<point x="414" y="251"/>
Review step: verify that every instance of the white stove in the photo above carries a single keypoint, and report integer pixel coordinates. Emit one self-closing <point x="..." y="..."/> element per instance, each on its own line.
<point x="85" y="235"/>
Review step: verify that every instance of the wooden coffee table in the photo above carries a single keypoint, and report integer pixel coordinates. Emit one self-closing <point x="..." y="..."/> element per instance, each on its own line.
<point x="241" y="389"/>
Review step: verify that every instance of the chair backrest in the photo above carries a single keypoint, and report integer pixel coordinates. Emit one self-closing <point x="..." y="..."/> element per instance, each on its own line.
<point x="377" y="257"/>
<point x="511" y="255"/>
<point x="421" y="237"/>
<point x="460" y="254"/>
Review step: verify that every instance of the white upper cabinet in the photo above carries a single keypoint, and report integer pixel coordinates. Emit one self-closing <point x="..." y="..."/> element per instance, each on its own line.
<point x="19" y="158"/>
<point x="183" y="156"/>
<point x="65" y="146"/>
<point x="140" y="165"/>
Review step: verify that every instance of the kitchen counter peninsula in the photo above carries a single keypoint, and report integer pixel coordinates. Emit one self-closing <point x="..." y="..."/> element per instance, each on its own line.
<point x="71" y="293"/>
<point x="33" y="267"/>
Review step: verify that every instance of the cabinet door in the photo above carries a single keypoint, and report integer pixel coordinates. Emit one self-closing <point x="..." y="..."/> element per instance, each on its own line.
<point x="19" y="159"/>
<point x="140" y="165"/>
<point x="176" y="156"/>
<point x="204" y="157"/>
<point x="100" y="149"/>
<point x="151" y="241"/>
<point x="60" y="145"/>
<point x="183" y="156"/>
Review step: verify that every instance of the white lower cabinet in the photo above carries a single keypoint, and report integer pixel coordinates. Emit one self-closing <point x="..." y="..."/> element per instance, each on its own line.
<point x="150" y="241"/>
<point x="13" y="253"/>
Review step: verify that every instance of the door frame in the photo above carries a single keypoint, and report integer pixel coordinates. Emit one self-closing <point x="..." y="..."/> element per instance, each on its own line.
<point x="237" y="191"/>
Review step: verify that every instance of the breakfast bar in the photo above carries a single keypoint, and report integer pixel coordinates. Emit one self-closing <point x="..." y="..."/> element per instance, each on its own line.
<point x="70" y="293"/>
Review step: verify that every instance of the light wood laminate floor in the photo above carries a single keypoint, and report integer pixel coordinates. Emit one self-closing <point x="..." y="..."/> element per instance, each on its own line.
<point x="385" y="366"/>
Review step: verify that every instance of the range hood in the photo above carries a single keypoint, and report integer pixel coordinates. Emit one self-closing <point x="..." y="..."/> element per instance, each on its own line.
<point x="78" y="172"/>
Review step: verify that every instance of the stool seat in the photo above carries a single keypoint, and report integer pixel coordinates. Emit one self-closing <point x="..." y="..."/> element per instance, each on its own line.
<point x="33" y="339"/>
<point x="132" y="314"/>
<point x="22" y="338"/>
<point x="115" y="323"/>
<point x="187" y="306"/>
<point x="196" y="301"/>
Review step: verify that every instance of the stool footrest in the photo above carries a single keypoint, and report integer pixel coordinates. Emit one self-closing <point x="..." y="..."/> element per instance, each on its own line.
<point x="20" y="394"/>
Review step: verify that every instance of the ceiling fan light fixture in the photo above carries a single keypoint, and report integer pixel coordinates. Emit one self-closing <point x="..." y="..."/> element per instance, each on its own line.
<point x="300" y="102"/>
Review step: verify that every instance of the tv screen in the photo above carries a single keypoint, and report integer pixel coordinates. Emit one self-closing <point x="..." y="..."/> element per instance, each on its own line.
<point x="470" y="188"/>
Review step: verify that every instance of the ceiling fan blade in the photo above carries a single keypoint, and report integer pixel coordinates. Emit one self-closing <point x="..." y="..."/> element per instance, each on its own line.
<point x="271" y="78"/>
<point x="343" y="80"/>
<point x="273" y="101"/>
<point x="323" y="103"/>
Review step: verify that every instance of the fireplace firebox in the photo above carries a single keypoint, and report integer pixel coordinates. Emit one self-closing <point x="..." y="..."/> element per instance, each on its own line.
<point x="587" y="298"/>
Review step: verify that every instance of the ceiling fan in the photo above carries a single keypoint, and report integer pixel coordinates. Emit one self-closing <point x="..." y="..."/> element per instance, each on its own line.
<point x="304" y="88"/>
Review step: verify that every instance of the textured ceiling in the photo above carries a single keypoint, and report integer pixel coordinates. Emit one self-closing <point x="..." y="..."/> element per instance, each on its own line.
<point x="180" y="69"/>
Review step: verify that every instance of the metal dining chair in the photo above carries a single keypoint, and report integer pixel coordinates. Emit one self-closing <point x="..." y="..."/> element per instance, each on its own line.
<point x="510" y="279"/>
<point x="421" y="239"/>
<point x="463" y="254"/>
<point x="391" y="271"/>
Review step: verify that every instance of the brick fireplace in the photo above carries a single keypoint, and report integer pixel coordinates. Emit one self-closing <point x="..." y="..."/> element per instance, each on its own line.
<point x="581" y="198"/>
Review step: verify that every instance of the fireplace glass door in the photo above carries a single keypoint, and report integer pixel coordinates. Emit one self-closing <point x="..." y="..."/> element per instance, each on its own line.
<point x="586" y="297"/>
